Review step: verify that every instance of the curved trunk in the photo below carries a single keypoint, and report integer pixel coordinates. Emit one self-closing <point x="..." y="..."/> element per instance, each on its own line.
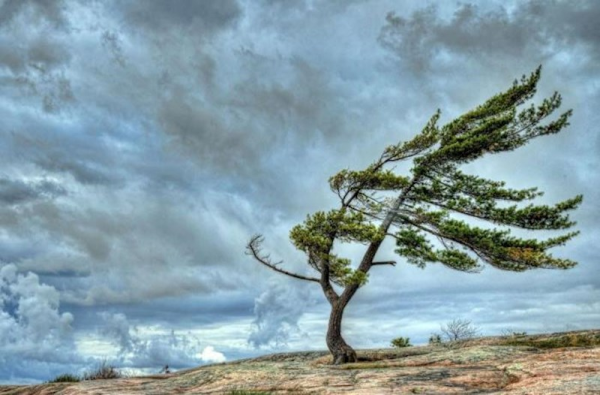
<point x="340" y="350"/>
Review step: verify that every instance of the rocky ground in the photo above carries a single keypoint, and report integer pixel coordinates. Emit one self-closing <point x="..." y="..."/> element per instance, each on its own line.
<point x="563" y="363"/>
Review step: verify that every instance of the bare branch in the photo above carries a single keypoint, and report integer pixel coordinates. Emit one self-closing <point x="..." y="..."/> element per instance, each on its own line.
<point x="459" y="330"/>
<point x="253" y="249"/>
<point x="393" y="263"/>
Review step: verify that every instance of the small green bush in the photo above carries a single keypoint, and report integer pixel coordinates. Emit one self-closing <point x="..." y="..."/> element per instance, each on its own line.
<point x="65" y="378"/>
<point x="507" y="333"/>
<point x="401" y="342"/>
<point x="435" y="339"/>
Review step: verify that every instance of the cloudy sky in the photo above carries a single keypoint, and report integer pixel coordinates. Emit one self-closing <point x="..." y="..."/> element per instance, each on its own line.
<point x="142" y="143"/>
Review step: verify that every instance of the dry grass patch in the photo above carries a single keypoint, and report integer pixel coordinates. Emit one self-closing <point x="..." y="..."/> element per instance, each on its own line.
<point x="557" y="341"/>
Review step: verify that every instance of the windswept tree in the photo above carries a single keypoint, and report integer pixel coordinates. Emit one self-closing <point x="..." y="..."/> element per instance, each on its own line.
<point x="432" y="212"/>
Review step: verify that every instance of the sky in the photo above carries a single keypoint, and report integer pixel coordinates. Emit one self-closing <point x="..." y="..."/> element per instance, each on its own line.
<point x="142" y="144"/>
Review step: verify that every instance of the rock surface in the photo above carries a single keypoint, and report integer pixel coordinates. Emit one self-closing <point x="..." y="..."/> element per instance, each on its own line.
<point x="564" y="363"/>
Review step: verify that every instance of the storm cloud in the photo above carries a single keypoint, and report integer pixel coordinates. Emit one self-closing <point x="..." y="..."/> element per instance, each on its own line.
<point x="531" y="31"/>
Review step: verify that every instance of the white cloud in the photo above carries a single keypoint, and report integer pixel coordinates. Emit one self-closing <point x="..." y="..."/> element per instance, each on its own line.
<point x="210" y="355"/>
<point x="277" y="312"/>
<point x="153" y="348"/>
<point x="30" y="317"/>
<point x="35" y="337"/>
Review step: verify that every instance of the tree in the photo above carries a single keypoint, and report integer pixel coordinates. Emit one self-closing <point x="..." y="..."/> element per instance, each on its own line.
<point x="459" y="330"/>
<point x="425" y="211"/>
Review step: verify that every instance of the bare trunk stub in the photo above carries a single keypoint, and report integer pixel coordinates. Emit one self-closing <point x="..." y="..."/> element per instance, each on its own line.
<point x="340" y="350"/>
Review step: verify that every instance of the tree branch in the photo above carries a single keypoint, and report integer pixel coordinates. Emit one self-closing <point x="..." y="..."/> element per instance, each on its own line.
<point x="325" y="280"/>
<point x="367" y="260"/>
<point x="480" y="254"/>
<point x="393" y="263"/>
<point x="253" y="249"/>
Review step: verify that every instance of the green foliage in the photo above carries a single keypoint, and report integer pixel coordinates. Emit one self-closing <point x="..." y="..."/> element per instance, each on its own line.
<point x="65" y="378"/>
<point x="369" y="179"/>
<point x="431" y="202"/>
<point x="401" y="342"/>
<point x="317" y="234"/>
<point x="414" y="245"/>
<point x="428" y="137"/>
<point x="509" y="333"/>
<point x="495" y="247"/>
<point x="435" y="339"/>
<point x="496" y="126"/>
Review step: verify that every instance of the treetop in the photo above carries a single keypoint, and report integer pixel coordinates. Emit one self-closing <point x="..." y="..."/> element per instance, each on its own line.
<point x="433" y="212"/>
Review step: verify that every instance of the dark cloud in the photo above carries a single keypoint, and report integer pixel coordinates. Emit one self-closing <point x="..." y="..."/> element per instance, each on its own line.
<point x="112" y="42"/>
<point x="42" y="54"/>
<point x="17" y="191"/>
<point x="83" y="171"/>
<point x="258" y="116"/>
<point x="98" y="241"/>
<point x="51" y="12"/>
<point x="34" y="52"/>
<point x="160" y="16"/>
<point x="535" y="30"/>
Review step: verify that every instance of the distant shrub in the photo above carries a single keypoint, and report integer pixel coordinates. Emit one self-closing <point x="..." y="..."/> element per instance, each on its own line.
<point x="65" y="378"/>
<point x="510" y="333"/>
<point x="435" y="339"/>
<point x="401" y="342"/>
<point x="459" y="330"/>
<point x="103" y="371"/>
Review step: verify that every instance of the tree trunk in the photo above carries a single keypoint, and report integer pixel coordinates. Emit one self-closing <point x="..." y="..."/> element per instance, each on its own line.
<point x="340" y="350"/>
